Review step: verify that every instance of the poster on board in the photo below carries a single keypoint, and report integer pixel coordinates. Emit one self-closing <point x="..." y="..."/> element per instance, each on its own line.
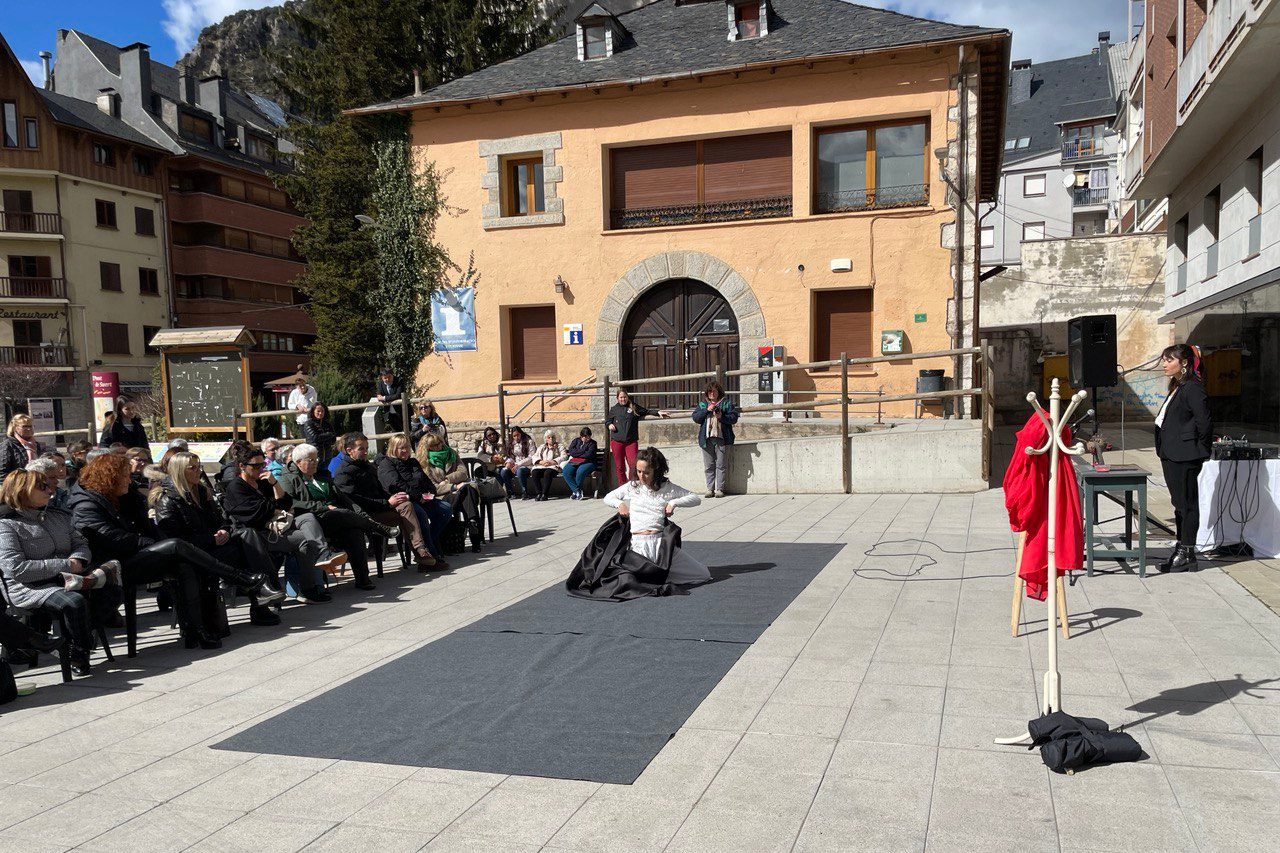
<point x="453" y="319"/>
<point x="41" y="411"/>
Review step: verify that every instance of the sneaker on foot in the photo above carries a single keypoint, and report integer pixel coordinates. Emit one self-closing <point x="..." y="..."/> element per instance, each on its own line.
<point x="710" y="493"/>
<point x="719" y="493"/>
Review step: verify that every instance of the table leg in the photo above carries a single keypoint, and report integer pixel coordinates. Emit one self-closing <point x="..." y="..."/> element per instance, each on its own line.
<point x="1142" y="531"/>
<point x="1128" y="520"/>
<point x="1090" y="513"/>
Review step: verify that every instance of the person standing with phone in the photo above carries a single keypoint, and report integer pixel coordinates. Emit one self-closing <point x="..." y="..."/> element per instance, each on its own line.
<point x="715" y="417"/>
<point x="1183" y="438"/>
<point x="624" y="433"/>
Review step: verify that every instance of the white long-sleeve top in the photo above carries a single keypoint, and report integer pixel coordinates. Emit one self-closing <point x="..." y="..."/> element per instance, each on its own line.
<point x="305" y="397"/>
<point x="648" y="509"/>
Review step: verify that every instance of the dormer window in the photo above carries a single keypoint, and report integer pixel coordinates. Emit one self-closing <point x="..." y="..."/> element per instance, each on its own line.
<point x="600" y="34"/>
<point x="747" y="18"/>
<point x="594" y="44"/>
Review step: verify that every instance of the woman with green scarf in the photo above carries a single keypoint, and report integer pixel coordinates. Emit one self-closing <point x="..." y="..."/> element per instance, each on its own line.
<point x="452" y="482"/>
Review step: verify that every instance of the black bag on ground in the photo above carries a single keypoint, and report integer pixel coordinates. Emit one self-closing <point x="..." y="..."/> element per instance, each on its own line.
<point x="1068" y="743"/>
<point x="454" y="538"/>
<point x="8" y="687"/>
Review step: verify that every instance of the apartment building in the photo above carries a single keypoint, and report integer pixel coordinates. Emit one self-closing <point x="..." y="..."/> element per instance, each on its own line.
<point x="228" y="226"/>
<point x="1058" y="178"/>
<point x="671" y="188"/>
<point x="85" y="275"/>
<point x="1210" y="144"/>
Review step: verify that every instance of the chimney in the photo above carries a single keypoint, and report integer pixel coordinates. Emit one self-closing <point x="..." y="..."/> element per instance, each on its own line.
<point x="1020" y="81"/>
<point x="417" y="82"/>
<point x="213" y="95"/>
<point x="1104" y="37"/>
<point x="135" y="76"/>
<point x="107" y="101"/>
<point x="45" y="56"/>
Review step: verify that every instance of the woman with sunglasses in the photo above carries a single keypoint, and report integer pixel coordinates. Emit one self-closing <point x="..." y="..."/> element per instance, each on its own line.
<point x="427" y="420"/>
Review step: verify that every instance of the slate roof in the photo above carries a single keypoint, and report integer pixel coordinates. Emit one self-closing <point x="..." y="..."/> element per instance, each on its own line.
<point x="242" y="108"/>
<point x="86" y="116"/>
<point x="671" y="40"/>
<point x="1072" y="89"/>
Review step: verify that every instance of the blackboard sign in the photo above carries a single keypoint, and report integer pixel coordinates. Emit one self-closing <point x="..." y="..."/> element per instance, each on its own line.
<point x="204" y="389"/>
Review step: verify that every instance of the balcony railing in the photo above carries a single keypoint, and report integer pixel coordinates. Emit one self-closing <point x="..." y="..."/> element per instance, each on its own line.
<point x="1219" y="27"/>
<point x="1082" y="196"/>
<point x="1133" y="163"/>
<point x="24" y="222"/>
<point x="1255" y="236"/>
<point x="1211" y="260"/>
<point x="1080" y="149"/>
<point x="43" y="355"/>
<point x="28" y="287"/>
<point x="777" y="207"/>
<point x="880" y="198"/>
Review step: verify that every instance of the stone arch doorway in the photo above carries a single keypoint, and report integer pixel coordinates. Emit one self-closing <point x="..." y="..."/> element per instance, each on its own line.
<point x="605" y="353"/>
<point x="678" y="326"/>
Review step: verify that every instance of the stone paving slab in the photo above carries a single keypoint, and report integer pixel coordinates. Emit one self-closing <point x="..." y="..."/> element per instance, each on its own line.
<point x="862" y="719"/>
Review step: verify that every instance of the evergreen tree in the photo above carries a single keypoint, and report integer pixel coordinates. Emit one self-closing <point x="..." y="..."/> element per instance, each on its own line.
<point x="364" y="53"/>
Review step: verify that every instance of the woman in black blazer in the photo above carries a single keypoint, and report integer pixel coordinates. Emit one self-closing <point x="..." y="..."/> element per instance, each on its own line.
<point x="1182" y="443"/>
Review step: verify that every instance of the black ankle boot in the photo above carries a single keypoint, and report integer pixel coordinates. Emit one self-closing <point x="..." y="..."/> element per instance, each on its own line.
<point x="203" y="639"/>
<point x="1184" y="559"/>
<point x="1167" y="563"/>
<point x="80" y="661"/>
<point x="259" y="587"/>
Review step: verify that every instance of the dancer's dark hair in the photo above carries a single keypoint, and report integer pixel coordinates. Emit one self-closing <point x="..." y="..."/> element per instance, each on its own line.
<point x="1188" y="354"/>
<point x="657" y="463"/>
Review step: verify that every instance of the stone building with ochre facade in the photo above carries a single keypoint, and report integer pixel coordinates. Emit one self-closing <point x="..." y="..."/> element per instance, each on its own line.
<point x="687" y="182"/>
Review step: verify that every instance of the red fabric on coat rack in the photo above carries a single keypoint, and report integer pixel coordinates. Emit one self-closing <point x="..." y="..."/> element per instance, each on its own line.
<point x="1026" y="497"/>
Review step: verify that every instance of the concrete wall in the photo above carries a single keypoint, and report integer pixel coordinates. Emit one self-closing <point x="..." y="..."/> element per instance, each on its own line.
<point x="898" y="254"/>
<point x="1025" y="314"/>
<point x="918" y="457"/>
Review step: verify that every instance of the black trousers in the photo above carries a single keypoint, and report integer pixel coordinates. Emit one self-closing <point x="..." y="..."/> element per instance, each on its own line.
<point x="543" y="478"/>
<point x="1182" y="478"/>
<point x="346" y="531"/>
<point x="246" y="551"/>
<point x="184" y="563"/>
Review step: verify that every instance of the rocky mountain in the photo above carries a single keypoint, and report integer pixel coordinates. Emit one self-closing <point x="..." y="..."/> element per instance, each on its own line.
<point x="241" y="45"/>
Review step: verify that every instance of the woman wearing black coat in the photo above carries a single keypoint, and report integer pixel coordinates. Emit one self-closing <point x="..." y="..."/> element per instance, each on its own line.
<point x="318" y="432"/>
<point x="1182" y="443"/>
<point x="399" y="472"/>
<point x="20" y="445"/>
<point x="126" y="428"/>
<point x="186" y="509"/>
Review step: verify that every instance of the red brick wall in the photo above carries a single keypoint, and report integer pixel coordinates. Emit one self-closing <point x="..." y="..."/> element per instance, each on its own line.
<point x="1193" y="22"/>
<point x="1160" y="104"/>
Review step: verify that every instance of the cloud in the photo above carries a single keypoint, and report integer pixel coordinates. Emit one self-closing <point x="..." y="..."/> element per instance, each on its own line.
<point x="186" y="18"/>
<point x="34" y="69"/>
<point x="1041" y="30"/>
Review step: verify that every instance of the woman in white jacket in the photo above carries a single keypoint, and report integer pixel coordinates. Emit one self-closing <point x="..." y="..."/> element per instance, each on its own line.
<point x="646" y="502"/>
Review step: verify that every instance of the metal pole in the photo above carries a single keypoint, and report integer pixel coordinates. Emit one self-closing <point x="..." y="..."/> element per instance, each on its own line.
<point x="235" y="424"/>
<point x="404" y="412"/>
<point x="542" y="407"/>
<point x="846" y="452"/>
<point x="502" y="414"/>
<point x="607" y="443"/>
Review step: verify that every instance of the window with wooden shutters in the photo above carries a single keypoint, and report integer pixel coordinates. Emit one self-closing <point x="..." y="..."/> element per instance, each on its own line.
<point x="115" y="338"/>
<point x="533" y="342"/>
<point x="144" y="221"/>
<point x="709" y="180"/>
<point x="109" y="275"/>
<point x="842" y="323"/>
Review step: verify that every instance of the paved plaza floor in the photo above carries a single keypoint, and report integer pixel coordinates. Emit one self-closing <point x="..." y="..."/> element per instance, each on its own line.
<point x="862" y="719"/>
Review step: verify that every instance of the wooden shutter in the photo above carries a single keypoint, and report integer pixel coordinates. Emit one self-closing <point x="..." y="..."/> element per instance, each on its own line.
<point x="115" y="338"/>
<point x="654" y="175"/>
<point x="110" y="274"/>
<point x="842" y="323"/>
<point x="746" y="167"/>
<point x="533" y="342"/>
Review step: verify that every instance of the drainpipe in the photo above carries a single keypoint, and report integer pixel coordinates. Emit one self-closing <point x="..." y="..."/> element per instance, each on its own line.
<point x="962" y="160"/>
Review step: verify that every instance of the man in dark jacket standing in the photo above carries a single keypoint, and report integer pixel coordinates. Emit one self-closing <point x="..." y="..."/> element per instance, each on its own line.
<point x="389" y="390"/>
<point x="357" y="478"/>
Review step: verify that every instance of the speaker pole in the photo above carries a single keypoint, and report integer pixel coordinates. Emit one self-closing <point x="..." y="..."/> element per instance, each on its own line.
<point x="1094" y="396"/>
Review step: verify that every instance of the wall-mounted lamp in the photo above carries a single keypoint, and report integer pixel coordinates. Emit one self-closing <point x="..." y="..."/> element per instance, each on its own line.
<point x="560" y="285"/>
<point x="943" y="154"/>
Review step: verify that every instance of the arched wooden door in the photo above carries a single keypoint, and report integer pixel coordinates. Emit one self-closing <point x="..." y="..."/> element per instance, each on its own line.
<point x="679" y="326"/>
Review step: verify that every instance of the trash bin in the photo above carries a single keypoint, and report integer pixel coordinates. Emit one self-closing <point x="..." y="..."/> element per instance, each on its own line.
<point x="930" y="381"/>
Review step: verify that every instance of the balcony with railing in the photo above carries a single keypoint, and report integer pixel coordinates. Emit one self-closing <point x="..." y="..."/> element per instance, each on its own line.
<point x="1086" y="196"/>
<point x="39" y="355"/>
<point x="1220" y="27"/>
<point x="880" y="198"/>
<point x="776" y="207"/>
<point x="1133" y="163"/>
<point x="26" y="222"/>
<point x="32" y="287"/>
<point x="1083" y="149"/>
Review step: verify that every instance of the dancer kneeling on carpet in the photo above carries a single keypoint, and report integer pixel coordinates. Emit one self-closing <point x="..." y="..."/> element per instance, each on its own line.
<point x="345" y="525"/>
<point x="185" y="508"/>
<point x="647" y="502"/>
<point x="399" y="472"/>
<point x="47" y="564"/>
<point x="256" y="500"/>
<point x="357" y="478"/>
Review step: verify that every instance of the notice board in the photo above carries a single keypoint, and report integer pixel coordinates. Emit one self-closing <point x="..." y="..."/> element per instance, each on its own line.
<point x="205" y="388"/>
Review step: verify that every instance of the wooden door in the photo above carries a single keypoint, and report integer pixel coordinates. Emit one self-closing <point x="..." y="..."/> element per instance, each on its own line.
<point x="680" y="326"/>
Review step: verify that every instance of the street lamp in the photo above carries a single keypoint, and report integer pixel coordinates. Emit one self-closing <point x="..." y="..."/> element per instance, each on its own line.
<point x="368" y="221"/>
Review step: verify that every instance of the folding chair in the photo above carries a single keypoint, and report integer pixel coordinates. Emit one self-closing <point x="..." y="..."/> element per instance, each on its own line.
<point x="475" y="470"/>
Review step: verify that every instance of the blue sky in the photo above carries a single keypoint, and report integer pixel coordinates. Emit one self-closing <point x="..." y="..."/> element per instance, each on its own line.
<point x="1042" y="29"/>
